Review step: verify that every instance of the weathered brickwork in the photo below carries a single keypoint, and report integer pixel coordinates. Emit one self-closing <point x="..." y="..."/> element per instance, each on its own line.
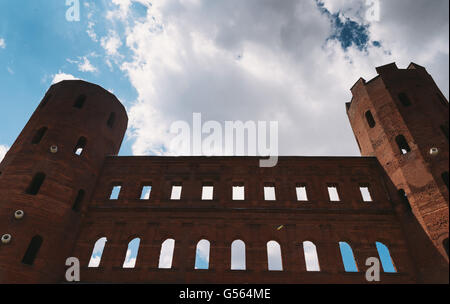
<point x="69" y="224"/>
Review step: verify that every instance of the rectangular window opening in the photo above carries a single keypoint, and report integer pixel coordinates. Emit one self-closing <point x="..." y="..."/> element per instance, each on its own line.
<point x="333" y="193"/>
<point x="146" y="191"/>
<point x="176" y="191"/>
<point x="238" y="192"/>
<point x="115" y="192"/>
<point x="269" y="192"/>
<point x="365" y="193"/>
<point x="207" y="192"/>
<point x="301" y="193"/>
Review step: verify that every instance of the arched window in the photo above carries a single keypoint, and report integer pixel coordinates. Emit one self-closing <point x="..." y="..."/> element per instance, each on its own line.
<point x="404" y="99"/>
<point x="202" y="255"/>
<point x="311" y="258"/>
<point x="79" y="102"/>
<point x="166" y="254"/>
<point x="238" y="255"/>
<point x="97" y="252"/>
<point x="274" y="259"/>
<point x="111" y="120"/>
<point x="385" y="257"/>
<point x="39" y="135"/>
<point x="445" y="178"/>
<point x="36" y="183"/>
<point x="445" y="245"/>
<point x="444" y="130"/>
<point x="78" y="200"/>
<point x="402" y="144"/>
<point x="132" y="252"/>
<point x="370" y="120"/>
<point x="32" y="251"/>
<point x="348" y="258"/>
<point x="80" y="146"/>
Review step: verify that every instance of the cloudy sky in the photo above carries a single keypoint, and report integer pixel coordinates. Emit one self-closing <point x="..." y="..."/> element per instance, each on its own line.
<point x="291" y="61"/>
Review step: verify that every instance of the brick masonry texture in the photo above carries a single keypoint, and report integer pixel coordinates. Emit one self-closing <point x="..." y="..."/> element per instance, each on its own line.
<point x="414" y="232"/>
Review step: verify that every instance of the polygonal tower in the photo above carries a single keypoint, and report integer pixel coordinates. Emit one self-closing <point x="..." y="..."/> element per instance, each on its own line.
<point x="48" y="176"/>
<point x="401" y="117"/>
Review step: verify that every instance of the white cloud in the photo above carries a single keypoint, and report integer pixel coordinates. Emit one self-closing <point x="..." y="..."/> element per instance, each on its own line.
<point x="231" y="61"/>
<point x="3" y="150"/>
<point x="129" y="262"/>
<point x="86" y="66"/>
<point x="2" y="43"/>
<point x="62" y="76"/>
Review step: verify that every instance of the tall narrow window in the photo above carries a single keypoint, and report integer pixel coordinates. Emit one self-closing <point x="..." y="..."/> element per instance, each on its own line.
<point x="302" y="196"/>
<point x="115" y="192"/>
<point x="274" y="259"/>
<point x="79" y="102"/>
<point x="402" y="144"/>
<point x="97" y="253"/>
<point x="333" y="193"/>
<point x="36" y="183"/>
<point x="385" y="257"/>
<point x="404" y="99"/>
<point x="370" y="119"/>
<point x="32" y="250"/>
<point x="444" y="130"/>
<point x="39" y="135"/>
<point x="365" y="193"/>
<point x="238" y="192"/>
<point x="202" y="255"/>
<point x="347" y="257"/>
<point x="166" y="254"/>
<point x="45" y="100"/>
<point x="311" y="258"/>
<point x="111" y="120"/>
<point x="78" y="201"/>
<point x="146" y="192"/>
<point x="81" y="145"/>
<point x="445" y="244"/>
<point x="445" y="178"/>
<point x="176" y="191"/>
<point x="238" y="255"/>
<point x="269" y="192"/>
<point x="207" y="192"/>
<point x="132" y="253"/>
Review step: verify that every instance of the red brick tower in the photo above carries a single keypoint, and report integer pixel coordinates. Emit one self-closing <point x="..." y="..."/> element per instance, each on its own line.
<point x="401" y="117"/>
<point x="48" y="176"/>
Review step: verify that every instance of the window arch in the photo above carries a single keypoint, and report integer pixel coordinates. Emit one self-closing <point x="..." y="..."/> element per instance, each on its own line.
<point x="404" y="99"/>
<point x="370" y="120"/>
<point x="36" y="183"/>
<point x="80" y="146"/>
<point x="348" y="258"/>
<point x="132" y="253"/>
<point x="39" y="135"/>
<point x="238" y="255"/>
<point x="97" y="252"/>
<point x="78" y="200"/>
<point x="402" y="144"/>
<point x="79" y="102"/>
<point x="166" y="254"/>
<point x="274" y="259"/>
<point x="202" y="254"/>
<point x="311" y="258"/>
<point x="385" y="257"/>
<point x="32" y="250"/>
